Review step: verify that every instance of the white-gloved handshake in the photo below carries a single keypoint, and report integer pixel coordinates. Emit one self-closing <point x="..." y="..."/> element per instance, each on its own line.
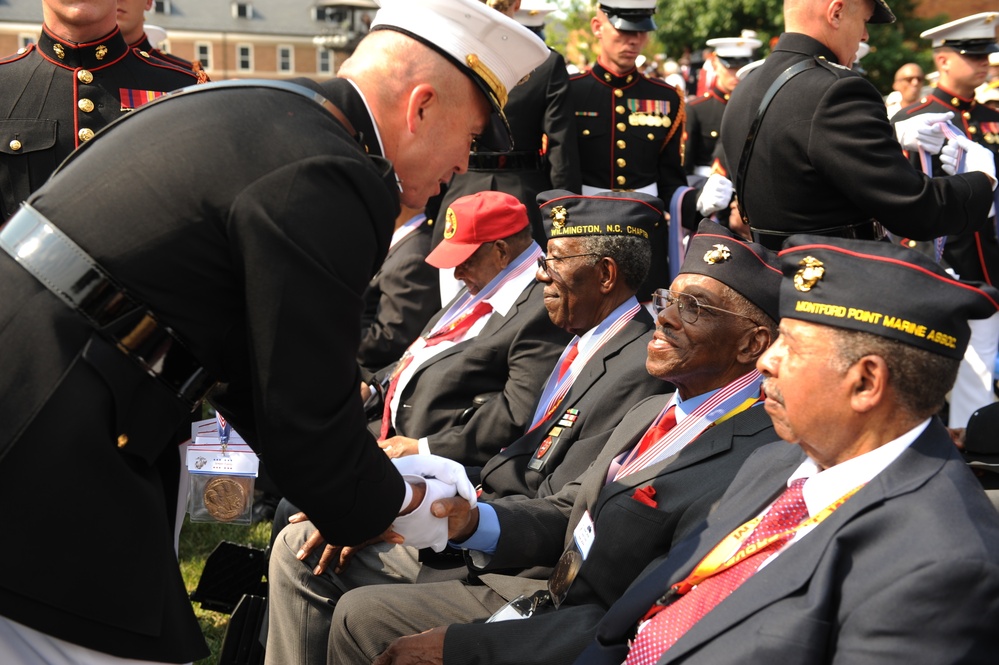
<point x="444" y="478"/>
<point x="715" y="195"/>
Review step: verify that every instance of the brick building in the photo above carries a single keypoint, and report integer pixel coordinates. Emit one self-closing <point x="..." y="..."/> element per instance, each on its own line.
<point x="233" y="39"/>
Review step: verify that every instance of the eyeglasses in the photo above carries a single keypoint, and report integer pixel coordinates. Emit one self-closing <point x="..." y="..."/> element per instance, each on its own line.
<point x="909" y="79"/>
<point x="688" y="307"/>
<point x="547" y="271"/>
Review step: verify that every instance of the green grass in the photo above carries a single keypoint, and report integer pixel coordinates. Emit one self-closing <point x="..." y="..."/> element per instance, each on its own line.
<point x="197" y="540"/>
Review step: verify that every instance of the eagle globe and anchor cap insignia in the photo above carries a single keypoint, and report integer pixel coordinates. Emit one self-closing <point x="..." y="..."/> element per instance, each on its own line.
<point x="812" y="270"/>
<point x="450" y="224"/>
<point x="559" y="216"/>
<point x="717" y="254"/>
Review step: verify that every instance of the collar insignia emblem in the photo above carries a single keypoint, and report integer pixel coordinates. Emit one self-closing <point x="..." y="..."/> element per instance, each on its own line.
<point x="812" y="270"/>
<point x="101" y="51"/>
<point x="717" y="254"/>
<point x="559" y="216"/>
<point x="59" y="51"/>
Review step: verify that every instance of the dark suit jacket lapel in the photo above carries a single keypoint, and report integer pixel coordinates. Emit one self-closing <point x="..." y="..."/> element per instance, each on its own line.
<point x="497" y="321"/>
<point x="405" y="239"/>
<point x="597" y="365"/>
<point x="795" y="568"/>
<point x="714" y="441"/>
<point x="622" y="617"/>
<point x="594" y="370"/>
<point x="387" y="371"/>
<point x="625" y="437"/>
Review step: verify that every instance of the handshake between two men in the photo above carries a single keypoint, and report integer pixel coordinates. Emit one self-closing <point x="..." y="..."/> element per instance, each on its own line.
<point x="442" y="507"/>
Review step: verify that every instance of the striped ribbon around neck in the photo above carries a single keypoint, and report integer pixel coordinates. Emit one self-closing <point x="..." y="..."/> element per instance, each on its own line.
<point x="731" y="399"/>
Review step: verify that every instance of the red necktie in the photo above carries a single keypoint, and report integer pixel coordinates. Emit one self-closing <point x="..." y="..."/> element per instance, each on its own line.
<point x="456" y="328"/>
<point x="569" y="357"/>
<point x="672" y="621"/>
<point x="657" y="431"/>
<point x="556" y="398"/>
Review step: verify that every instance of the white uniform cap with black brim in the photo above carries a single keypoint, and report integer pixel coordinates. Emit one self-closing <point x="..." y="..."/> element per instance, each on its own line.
<point x="734" y="52"/>
<point x="971" y="35"/>
<point x="630" y="15"/>
<point x="490" y="48"/>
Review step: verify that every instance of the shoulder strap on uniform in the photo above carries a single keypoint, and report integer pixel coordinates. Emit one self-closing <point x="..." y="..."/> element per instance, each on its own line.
<point x="234" y="83"/>
<point x="278" y="85"/>
<point x="747" y="151"/>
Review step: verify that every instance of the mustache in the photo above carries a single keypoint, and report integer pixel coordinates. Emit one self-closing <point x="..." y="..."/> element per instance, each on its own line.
<point x="666" y="332"/>
<point x="771" y="390"/>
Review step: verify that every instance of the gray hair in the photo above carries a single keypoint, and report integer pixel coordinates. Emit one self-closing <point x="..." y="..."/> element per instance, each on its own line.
<point x="918" y="377"/>
<point x="742" y="305"/>
<point x="632" y="255"/>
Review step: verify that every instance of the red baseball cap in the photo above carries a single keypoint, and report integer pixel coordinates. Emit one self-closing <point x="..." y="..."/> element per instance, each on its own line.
<point x="473" y="220"/>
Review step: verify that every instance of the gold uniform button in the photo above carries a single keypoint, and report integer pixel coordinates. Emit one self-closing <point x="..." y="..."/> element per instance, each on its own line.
<point x="621" y="144"/>
<point x="621" y="163"/>
<point x="84" y="76"/>
<point x="911" y="243"/>
<point x="652" y="137"/>
<point x="618" y="92"/>
<point x="972" y="130"/>
<point x="967" y="115"/>
<point x="86" y="134"/>
<point x="619" y="180"/>
<point x="619" y="109"/>
<point x="122" y="440"/>
<point x="621" y="126"/>
<point x="15" y="145"/>
<point x="85" y="105"/>
<point x="714" y="134"/>
<point x="586" y="132"/>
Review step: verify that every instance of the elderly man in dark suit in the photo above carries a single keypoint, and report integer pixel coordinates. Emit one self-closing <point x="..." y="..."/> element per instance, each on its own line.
<point x="493" y="344"/>
<point x="825" y="159"/>
<point x="589" y="279"/>
<point x="657" y="476"/>
<point x="869" y="540"/>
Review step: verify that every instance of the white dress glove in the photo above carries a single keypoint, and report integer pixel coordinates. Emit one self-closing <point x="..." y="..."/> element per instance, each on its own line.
<point x="440" y="468"/>
<point x="715" y="195"/>
<point x="923" y="131"/>
<point x="420" y="528"/>
<point x="976" y="158"/>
